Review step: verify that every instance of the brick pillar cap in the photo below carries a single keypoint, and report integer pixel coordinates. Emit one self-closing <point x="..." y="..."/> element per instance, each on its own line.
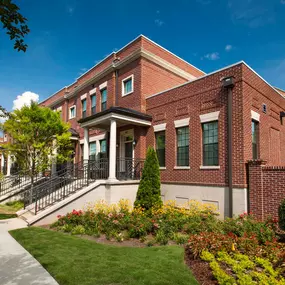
<point x="257" y="162"/>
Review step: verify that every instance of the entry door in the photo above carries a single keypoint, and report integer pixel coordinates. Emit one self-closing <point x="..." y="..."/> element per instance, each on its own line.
<point x="129" y="150"/>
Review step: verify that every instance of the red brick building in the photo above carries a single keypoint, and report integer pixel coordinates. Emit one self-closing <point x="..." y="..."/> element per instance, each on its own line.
<point x="205" y="127"/>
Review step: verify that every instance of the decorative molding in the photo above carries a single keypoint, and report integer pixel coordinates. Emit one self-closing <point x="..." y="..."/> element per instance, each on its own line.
<point x="209" y="105"/>
<point x="84" y="96"/>
<point x="182" y="123"/>
<point x="214" y="116"/>
<point x="209" y="167"/>
<point x="158" y="128"/>
<point x="93" y="91"/>
<point x="103" y="85"/>
<point x="159" y="117"/>
<point x="182" y="111"/>
<point x="255" y="116"/>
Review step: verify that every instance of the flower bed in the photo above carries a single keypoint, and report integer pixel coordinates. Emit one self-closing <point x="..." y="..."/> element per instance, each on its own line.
<point x="230" y="244"/>
<point x="120" y="221"/>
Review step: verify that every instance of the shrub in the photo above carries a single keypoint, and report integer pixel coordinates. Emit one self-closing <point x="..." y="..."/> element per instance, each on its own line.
<point x="161" y="238"/>
<point x="240" y="269"/>
<point x="180" y="238"/>
<point x="281" y="214"/>
<point x="78" y="230"/>
<point x="149" y="195"/>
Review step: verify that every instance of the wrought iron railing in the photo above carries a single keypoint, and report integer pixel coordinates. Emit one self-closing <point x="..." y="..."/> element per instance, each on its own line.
<point x="18" y="181"/>
<point x="66" y="182"/>
<point x="129" y="168"/>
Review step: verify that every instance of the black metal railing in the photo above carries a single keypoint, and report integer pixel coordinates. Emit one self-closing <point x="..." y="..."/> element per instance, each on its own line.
<point x="18" y="181"/>
<point x="129" y="168"/>
<point x="69" y="180"/>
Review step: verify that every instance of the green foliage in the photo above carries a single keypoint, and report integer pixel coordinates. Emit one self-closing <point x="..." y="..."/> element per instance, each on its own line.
<point x="180" y="238"/>
<point x="161" y="238"/>
<point x="242" y="269"/>
<point x="14" y="23"/>
<point x="149" y="195"/>
<point x="78" y="230"/>
<point x="281" y="214"/>
<point x="36" y="132"/>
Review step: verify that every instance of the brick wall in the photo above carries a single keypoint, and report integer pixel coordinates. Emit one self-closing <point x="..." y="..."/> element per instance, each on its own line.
<point x="266" y="188"/>
<point x="199" y="97"/>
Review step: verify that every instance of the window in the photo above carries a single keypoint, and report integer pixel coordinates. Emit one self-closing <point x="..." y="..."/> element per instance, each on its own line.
<point x="160" y="147"/>
<point x="93" y="104"/>
<point x="92" y="151"/>
<point x="128" y="85"/>
<point x="182" y="135"/>
<point x="104" y="99"/>
<point x="83" y="108"/>
<point x="210" y="144"/>
<point x="255" y="140"/>
<point x="72" y="112"/>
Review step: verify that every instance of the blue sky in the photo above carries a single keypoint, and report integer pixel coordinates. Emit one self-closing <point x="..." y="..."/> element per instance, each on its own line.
<point x="69" y="36"/>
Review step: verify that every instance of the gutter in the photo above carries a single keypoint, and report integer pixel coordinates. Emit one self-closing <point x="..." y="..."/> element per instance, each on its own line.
<point x="228" y="84"/>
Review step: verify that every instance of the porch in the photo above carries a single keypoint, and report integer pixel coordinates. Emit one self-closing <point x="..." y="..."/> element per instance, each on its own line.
<point x="124" y="144"/>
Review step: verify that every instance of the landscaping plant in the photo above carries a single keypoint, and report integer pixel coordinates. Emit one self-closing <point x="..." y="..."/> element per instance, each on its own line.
<point x="281" y="213"/>
<point x="149" y="195"/>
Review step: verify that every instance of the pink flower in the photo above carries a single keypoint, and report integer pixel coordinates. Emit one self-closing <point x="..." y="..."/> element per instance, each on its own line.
<point x="116" y="222"/>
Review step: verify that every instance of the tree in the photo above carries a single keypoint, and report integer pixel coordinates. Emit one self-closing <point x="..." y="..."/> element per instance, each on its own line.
<point x="36" y="132"/>
<point x="149" y="195"/>
<point x="14" y="23"/>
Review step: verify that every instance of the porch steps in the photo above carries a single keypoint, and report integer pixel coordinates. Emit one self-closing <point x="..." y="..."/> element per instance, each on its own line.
<point x="31" y="218"/>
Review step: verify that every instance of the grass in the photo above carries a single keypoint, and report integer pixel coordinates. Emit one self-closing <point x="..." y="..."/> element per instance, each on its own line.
<point x="72" y="260"/>
<point x="9" y="209"/>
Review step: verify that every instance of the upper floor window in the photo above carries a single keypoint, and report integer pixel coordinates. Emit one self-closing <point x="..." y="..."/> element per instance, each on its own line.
<point x="182" y="136"/>
<point x="255" y="140"/>
<point x="210" y="144"/>
<point x="128" y="85"/>
<point x="84" y="108"/>
<point x="160" y="147"/>
<point x="72" y="112"/>
<point x="104" y="99"/>
<point x="93" y="104"/>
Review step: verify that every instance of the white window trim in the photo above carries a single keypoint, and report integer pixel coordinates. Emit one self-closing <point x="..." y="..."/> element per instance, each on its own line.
<point x="210" y="167"/>
<point x="123" y="85"/>
<point x="103" y="85"/>
<point x="159" y="128"/>
<point x="182" y="167"/>
<point x="209" y="117"/>
<point x="162" y="167"/>
<point x="74" y="106"/>
<point x="255" y="116"/>
<point x="182" y="123"/>
<point x="84" y="96"/>
<point x="59" y="109"/>
<point x="93" y="91"/>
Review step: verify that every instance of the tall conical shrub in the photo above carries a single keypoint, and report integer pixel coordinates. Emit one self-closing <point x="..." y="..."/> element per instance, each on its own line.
<point x="149" y="195"/>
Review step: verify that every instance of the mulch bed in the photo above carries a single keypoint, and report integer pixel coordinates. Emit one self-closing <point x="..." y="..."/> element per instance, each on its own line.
<point x="200" y="269"/>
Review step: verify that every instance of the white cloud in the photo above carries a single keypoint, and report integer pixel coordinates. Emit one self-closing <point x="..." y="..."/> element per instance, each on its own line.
<point x="25" y="99"/>
<point x="228" y="47"/>
<point x="158" y="22"/>
<point x="212" y="56"/>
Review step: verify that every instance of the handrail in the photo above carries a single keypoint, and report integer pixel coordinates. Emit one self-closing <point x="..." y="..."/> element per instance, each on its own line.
<point x="71" y="179"/>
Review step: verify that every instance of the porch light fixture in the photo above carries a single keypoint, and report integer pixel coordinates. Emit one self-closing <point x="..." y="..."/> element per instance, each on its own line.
<point x="134" y="142"/>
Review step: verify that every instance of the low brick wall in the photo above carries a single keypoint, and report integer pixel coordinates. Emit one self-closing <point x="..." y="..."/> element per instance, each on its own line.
<point x="266" y="188"/>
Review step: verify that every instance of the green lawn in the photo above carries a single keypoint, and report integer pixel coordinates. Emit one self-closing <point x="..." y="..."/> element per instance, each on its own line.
<point x="9" y="209"/>
<point x="72" y="260"/>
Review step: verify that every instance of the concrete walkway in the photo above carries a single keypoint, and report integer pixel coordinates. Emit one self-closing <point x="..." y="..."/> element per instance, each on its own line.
<point x="17" y="266"/>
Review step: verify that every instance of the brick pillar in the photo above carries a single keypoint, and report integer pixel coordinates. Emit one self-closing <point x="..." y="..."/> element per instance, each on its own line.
<point x="256" y="199"/>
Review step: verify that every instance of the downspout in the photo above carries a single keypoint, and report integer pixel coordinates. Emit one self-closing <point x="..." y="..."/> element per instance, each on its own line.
<point x="228" y="84"/>
<point x="115" y="62"/>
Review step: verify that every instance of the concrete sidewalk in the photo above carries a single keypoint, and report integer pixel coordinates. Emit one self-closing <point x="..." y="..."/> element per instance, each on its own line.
<point x="17" y="266"/>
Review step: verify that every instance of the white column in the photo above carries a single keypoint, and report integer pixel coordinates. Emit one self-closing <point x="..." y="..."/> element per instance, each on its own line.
<point x="112" y="151"/>
<point x="8" y="164"/>
<point x="54" y="154"/>
<point x="86" y="145"/>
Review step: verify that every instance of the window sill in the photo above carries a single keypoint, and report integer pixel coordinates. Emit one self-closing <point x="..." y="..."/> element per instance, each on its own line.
<point x="126" y="94"/>
<point x="181" y="167"/>
<point x="210" y="167"/>
<point x="162" y="168"/>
